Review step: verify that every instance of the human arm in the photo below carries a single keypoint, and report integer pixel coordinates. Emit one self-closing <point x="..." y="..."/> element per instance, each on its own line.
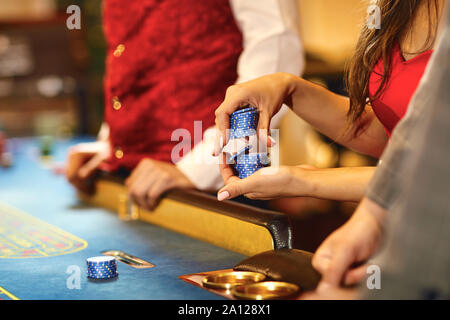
<point x="341" y="184"/>
<point x="84" y="159"/>
<point x="270" y="44"/>
<point x="341" y="257"/>
<point x="323" y="109"/>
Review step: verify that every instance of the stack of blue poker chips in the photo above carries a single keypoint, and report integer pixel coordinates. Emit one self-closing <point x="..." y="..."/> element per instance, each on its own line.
<point x="102" y="267"/>
<point x="243" y="123"/>
<point x="248" y="164"/>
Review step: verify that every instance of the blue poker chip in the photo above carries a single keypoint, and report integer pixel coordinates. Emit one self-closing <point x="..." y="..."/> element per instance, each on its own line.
<point x="101" y="260"/>
<point x="245" y="109"/>
<point x="237" y="134"/>
<point x="102" y="267"/>
<point x="98" y="274"/>
<point x="248" y="164"/>
<point x="98" y="277"/>
<point x="243" y="123"/>
<point x="102" y="270"/>
<point x="253" y="158"/>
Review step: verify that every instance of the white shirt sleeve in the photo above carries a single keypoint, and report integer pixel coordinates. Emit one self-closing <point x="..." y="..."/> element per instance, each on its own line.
<point x="271" y="44"/>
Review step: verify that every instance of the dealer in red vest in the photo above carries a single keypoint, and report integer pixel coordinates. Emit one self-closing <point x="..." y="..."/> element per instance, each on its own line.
<point x="169" y="63"/>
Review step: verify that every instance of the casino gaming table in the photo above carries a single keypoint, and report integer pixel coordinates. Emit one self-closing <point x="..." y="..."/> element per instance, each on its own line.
<point x="47" y="233"/>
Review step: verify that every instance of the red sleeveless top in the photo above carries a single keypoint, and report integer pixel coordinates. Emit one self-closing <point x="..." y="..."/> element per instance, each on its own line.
<point x="168" y="64"/>
<point x="391" y="106"/>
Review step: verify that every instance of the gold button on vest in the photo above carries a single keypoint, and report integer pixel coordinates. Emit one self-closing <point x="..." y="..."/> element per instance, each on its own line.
<point x="119" y="50"/>
<point x="116" y="103"/>
<point x="118" y="153"/>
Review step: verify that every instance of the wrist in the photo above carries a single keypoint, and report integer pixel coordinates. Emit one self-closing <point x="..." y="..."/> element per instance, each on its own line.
<point x="287" y="80"/>
<point x="370" y="208"/>
<point x="294" y="86"/>
<point x="301" y="183"/>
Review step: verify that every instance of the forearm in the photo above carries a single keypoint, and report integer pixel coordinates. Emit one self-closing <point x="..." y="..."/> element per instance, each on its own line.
<point x="327" y="112"/>
<point x="341" y="184"/>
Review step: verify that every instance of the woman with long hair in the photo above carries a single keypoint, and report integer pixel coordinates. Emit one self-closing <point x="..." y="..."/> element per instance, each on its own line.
<point x="384" y="73"/>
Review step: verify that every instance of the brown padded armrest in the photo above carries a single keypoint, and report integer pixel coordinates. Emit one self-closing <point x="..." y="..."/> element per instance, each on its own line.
<point x="289" y="265"/>
<point x="276" y="223"/>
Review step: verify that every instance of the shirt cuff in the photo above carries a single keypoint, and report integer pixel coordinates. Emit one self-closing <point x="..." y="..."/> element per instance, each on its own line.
<point x="200" y="166"/>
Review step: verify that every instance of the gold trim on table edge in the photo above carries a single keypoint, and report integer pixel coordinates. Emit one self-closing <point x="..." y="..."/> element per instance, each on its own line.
<point x="195" y="222"/>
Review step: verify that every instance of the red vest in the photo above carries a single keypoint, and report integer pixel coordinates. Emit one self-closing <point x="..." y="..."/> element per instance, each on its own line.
<point x="393" y="103"/>
<point x="168" y="64"/>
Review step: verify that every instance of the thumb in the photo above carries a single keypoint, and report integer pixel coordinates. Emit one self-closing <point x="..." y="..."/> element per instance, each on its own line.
<point x="322" y="258"/>
<point x="338" y="265"/>
<point x="232" y="190"/>
<point x="89" y="167"/>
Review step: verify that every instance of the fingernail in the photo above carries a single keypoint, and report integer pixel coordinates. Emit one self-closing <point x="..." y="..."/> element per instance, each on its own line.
<point x="223" y="195"/>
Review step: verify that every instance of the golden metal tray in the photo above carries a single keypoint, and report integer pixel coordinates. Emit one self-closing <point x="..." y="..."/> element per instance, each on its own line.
<point x="267" y="290"/>
<point x="228" y="280"/>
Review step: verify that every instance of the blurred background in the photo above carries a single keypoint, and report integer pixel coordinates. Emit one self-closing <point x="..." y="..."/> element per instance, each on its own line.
<point x="51" y="84"/>
<point x="50" y="77"/>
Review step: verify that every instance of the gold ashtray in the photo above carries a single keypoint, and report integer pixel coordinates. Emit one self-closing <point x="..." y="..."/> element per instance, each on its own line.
<point x="267" y="290"/>
<point x="228" y="280"/>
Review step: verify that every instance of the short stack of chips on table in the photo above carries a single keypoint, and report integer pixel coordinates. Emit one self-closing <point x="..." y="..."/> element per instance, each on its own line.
<point x="102" y="267"/>
<point x="243" y="124"/>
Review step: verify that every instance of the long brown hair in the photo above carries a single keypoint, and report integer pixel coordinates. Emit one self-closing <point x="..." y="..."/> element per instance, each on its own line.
<point x="397" y="17"/>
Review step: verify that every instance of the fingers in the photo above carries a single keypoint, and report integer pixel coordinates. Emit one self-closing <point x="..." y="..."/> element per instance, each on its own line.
<point x="237" y="187"/>
<point x="235" y="98"/>
<point x="326" y="292"/>
<point x="135" y="173"/>
<point x="333" y="259"/>
<point x="156" y="191"/>
<point x="226" y="170"/>
<point x="151" y="179"/>
<point x="263" y="129"/>
<point x="322" y="258"/>
<point x="140" y="186"/>
<point x="356" y="275"/>
<point x="89" y="167"/>
<point x="222" y="124"/>
<point x="74" y="161"/>
<point x="339" y="264"/>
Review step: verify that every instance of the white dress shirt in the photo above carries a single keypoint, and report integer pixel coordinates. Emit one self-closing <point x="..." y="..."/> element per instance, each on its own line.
<point x="271" y="44"/>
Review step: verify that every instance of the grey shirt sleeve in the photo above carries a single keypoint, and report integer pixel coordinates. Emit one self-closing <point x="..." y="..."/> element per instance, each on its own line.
<point x="414" y="259"/>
